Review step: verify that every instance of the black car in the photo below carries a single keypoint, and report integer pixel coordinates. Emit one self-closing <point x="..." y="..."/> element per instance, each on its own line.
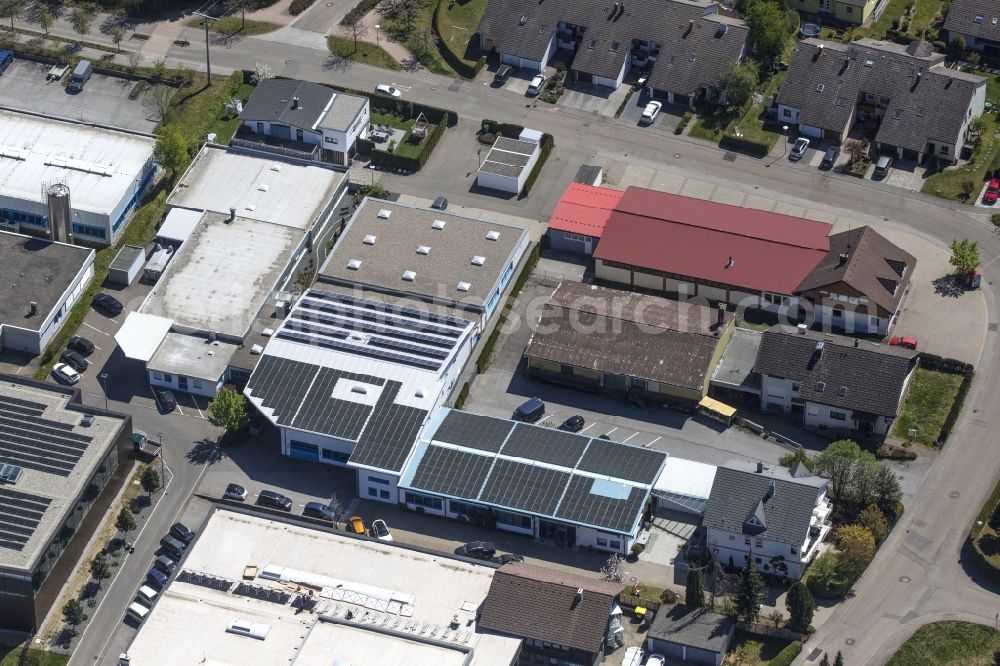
<point x="168" y="402"/>
<point x="172" y="547"/>
<point x="74" y="360"/>
<point x="81" y="345"/>
<point x="507" y="558"/>
<point x="481" y="550"/>
<point x="181" y="532"/>
<point x="830" y="157"/>
<point x="274" y="500"/>
<point x="503" y="73"/>
<point x="107" y="304"/>
<point x="441" y="203"/>
<point x="572" y="424"/>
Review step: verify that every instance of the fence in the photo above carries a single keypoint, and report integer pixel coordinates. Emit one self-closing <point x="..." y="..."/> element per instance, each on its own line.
<point x="763" y="629"/>
<point x="257" y="146"/>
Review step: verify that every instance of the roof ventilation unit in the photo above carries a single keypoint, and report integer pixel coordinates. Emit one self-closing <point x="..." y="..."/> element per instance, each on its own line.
<point x="384" y="214"/>
<point x="802" y="328"/>
<point x="359" y="389"/>
<point x="87" y="420"/>
<point x="438" y="224"/>
<point x="464" y="286"/>
<point x="492" y="235"/>
<point x="275" y="167"/>
<point x="409" y="276"/>
<point x="263" y="187"/>
<point x="424" y="249"/>
<point x="369" y="240"/>
<point x="478" y="260"/>
<point x="354" y="264"/>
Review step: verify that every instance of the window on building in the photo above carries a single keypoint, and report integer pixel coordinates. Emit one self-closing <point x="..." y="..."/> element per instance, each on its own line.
<point x="757" y="560"/>
<point x="168" y="378"/>
<point x="944" y="150"/>
<point x="384" y="494"/>
<point x="373" y="492"/>
<point x="795" y="386"/>
<point x="334" y="456"/>
<point x="330" y="139"/>
<point x="850" y="10"/>
<point x="759" y="543"/>
<point x="795" y="551"/>
<point x="615" y="545"/>
<point x="375" y="479"/>
<point x="196" y="383"/>
<point x="158" y="376"/>
<point x="424" y="501"/>
<point x="838" y="416"/>
<point x="639" y="384"/>
<point x="513" y="519"/>
<point x="746" y="541"/>
<point x="603" y="543"/>
<point x="787" y="113"/>
<point x="732" y="537"/>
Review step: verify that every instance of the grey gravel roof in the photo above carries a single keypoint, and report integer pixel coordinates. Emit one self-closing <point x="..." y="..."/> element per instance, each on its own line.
<point x="962" y="19"/>
<point x="714" y="42"/>
<point x="739" y="491"/>
<point x="343" y="111"/>
<point x="693" y="627"/>
<point x="873" y="374"/>
<point x="525" y="28"/>
<point x="271" y="101"/>
<point x="927" y="101"/>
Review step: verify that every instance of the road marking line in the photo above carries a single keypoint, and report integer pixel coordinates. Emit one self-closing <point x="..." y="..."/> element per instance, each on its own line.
<point x="587" y="428"/>
<point x="180" y="410"/>
<point x="611" y="431"/>
<point x="195" y="401"/>
<point x="655" y="440"/>
<point x="96" y="329"/>
<point x="98" y="348"/>
<point x="630" y="437"/>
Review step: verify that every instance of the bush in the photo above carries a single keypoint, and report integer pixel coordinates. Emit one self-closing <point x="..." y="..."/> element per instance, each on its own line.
<point x="299" y="6"/>
<point x="685" y="119"/>
<point x="509" y="130"/>
<point x="788" y="655"/>
<point x="637" y="549"/>
<point x="744" y="145"/>
<point x="548" y="143"/>
<point x="667" y="596"/>
<point x="137" y="89"/>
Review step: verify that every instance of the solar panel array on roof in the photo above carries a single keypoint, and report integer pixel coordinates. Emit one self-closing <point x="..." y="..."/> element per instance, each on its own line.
<point x="473" y="431"/>
<point x="378" y="306"/>
<point x="621" y="461"/>
<point x="20" y="514"/>
<point x="390" y="433"/>
<point x="544" y="444"/>
<point x="452" y="471"/>
<point x="581" y="504"/>
<point x="281" y="385"/>
<point x="526" y="487"/>
<point x="30" y="441"/>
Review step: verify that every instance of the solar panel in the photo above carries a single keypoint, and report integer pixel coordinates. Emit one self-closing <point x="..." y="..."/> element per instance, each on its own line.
<point x="41" y="426"/>
<point x="10" y="473"/>
<point x="390" y="433"/>
<point x="10" y="400"/>
<point x="357" y="350"/>
<point x="321" y="413"/>
<point x="409" y="347"/>
<point x="39" y="451"/>
<point x="527" y="487"/>
<point x="355" y="324"/>
<point x="473" y="431"/>
<point x="381" y="317"/>
<point x="622" y="461"/>
<point x="452" y="472"/>
<point x="306" y="327"/>
<point x="281" y="384"/>
<point x="545" y="445"/>
<point x="413" y="313"/>
<point x="20" y="514"/>
<point x="580" y="504"/>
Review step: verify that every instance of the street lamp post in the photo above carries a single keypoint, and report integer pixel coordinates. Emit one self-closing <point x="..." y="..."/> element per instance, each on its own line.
<point x="784" y="139"/>
<point x="160" y="438"/>
<point x="377" y="26"/>
<point x="208" y="58"/>
<point x="104" y="378"/>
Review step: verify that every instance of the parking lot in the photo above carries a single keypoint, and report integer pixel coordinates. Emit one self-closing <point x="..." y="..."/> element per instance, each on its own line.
<point x="104" y="99"/>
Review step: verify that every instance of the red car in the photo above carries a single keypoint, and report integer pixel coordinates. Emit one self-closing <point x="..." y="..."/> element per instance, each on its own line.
<point x="902" y="341"/>
<point x="992" y="192"/>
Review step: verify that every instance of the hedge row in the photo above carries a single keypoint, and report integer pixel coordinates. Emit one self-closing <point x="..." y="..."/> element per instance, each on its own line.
<point x="486" y="355"/>
<point x="982" y="562"/>
<point x="509" y="130"/>
<point x="788" y="655"/>
<point x="359" y="12"/>
<point x="903" y="38"/>
<point x="744" y="145"/>
<point x="548" y="143"/>
<point x="953" y="367"/>
<point x="299" y="6"/>
<point x="454" y="60"/>
<point x="388" y="160"/>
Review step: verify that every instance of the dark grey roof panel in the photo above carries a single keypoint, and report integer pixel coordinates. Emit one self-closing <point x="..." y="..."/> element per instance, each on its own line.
<point x="582" y="504"/>
<point x="526" y="487"/>
<point x="622" y="461"/>
<point x="545" y="445"/>
<point x="473" y="431"/>
<point x="281" y="385"/>
<point x="390" y="433"/>
<point x="452" y="472"/>
<point x="20" y="514"/>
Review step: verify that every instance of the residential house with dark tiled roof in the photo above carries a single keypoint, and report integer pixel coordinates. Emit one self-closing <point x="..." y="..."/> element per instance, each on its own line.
<point x="771" y="516"/>
<point x="859" y="285"/>
<point x="304" y="120"/>
<point x="562" y="618"/>
<point x="977" y="22"/>
<point x="687" y="44"/>
<point x="903" y="96"/>
<point x="831" y="381"/>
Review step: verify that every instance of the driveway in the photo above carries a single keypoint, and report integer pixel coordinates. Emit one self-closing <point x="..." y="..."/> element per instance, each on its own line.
<point x="599" y="100"/>
<point x="906" y="174"/>
<point x="104" y="99"/>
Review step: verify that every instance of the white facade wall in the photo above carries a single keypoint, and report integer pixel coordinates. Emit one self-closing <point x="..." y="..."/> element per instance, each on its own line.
<point x="777" y="393"/>
<point x="495" y="181"/>
<point x="378" y="486"/>
<point x="647" y="281"/>
<point x="611" y="273"/>
<point x="733" y="547"/>
<point x="201" y="387"/>
<point x="788" y="115"/>
<point x="852" y="321"/>
<point x="615" y="82"/>
<point x="34" y="341"/>
<point x="588" y="537"/>
<point x="333" y="444"/>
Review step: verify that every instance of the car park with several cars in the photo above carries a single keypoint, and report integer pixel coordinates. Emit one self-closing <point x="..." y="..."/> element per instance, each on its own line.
<point x="65" y="374"/>
<point x="74" y="360"/>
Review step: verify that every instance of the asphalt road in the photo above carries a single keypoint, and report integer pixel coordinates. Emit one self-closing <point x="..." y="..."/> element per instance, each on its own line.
<point x="918" y="575"/>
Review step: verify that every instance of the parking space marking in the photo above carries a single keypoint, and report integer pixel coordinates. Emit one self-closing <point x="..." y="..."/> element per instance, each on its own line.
<point x="195" y="402"/>
<point x="588" y="427"/>
<point x="646" y="446"/>
<point x="611" y="431"/>
<point x="96" y="329"/>
<point x="630" y="436"/>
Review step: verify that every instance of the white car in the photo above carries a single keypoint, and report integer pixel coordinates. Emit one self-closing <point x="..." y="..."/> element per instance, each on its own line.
<point x="799" y="149"/>
<point x="381" y="531"/>
<point x="386" y="89"/>
<point x="656" y="660"/>
<point x="633" y="656"/>
<point x="650" y="112"/>
<point x="536" y="84"/>
<point x="65" y="374"/>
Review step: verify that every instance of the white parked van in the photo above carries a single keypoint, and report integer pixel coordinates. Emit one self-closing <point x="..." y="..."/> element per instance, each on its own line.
<point x="137" y="611"/>
<point x="147" y="594"/>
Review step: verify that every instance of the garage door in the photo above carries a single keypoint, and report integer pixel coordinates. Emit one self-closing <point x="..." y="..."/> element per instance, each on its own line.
<point x="281" y="131"/>
<point x="584" y="77"/>
<point x="509" y="59"/>
<point x="700" y="656"/>
<point x="666" y="649"/>
<point x="808" y="130"/>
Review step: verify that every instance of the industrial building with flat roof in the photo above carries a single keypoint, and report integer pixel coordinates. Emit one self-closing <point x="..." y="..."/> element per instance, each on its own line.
<point x="42" y="281"/>
<point x="104" y="169"/>
<point x="364" y="601"/>
<point x="244" y="226"/>
<point x="59" y="471"/>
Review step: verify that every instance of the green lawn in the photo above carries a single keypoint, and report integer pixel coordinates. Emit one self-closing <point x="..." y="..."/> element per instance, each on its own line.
<point x="949" y="644"/>
<point x="234" y="25"/>
<point x="403" y="148"/>
<point x="753" y="650"/>
<point x="948" y="183"/>
<point x="927" y="405"/>
<point x="649" y="592"/>
<point x="418" y="38"/>
<point x="459" y="22"/>
<point x="198" y="110"/>
<point x="366" y="52"/>
<point x="11" y="656"/>
<point x="750" y="121"/>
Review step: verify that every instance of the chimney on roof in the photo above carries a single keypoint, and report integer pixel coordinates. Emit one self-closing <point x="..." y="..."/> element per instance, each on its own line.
<point x="857" y="342"/>
<point x="295" y="102"/>
<point x="32" y="308"/>
<point x="730" y="263"/>
<point x="802" y="328"/>
<point x="232" y="215"/>
<point x="720" y="314"/>
<point x="760" y="466"/>
<point x="844" y="256"/>
<point x="690" y="27"/>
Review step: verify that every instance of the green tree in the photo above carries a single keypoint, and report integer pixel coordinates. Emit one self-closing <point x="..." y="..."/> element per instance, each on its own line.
<point x="888" y="494"/>
<point x="957" y="46"/>
<point x="235" y="81"/>
<point x="150" y="480"/>
<point x="800" y="605"/>
<point x="100" y="569"/>
<point x="12" y="9"/>
<point x="766" y="21"/>
<point x="125" y="522"/>
<point x="739" y="80"/>
<point x="73" y="613"/>
<point x="171" y="150"/>
<point x="856" y="548"/>
<point x="159" y="69"/>
<point x="964" y="255"/>
<point x="838" y="462"/>
<point x="117" y="35"/>
<point x="750" y="594"/>
<point x="228" y="410"/>
<point x="825" y="661"/>
<point x="839" y="659"/>
<point x="694" y="591"/>
<point x="874" y="520"/>
<point x="82" y="19"/>
<point x="45" y="19"/>
<point x="790" y="460"/>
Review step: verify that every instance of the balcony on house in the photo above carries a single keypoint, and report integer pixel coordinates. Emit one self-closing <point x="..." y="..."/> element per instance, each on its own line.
<point x="249" y="140"/>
